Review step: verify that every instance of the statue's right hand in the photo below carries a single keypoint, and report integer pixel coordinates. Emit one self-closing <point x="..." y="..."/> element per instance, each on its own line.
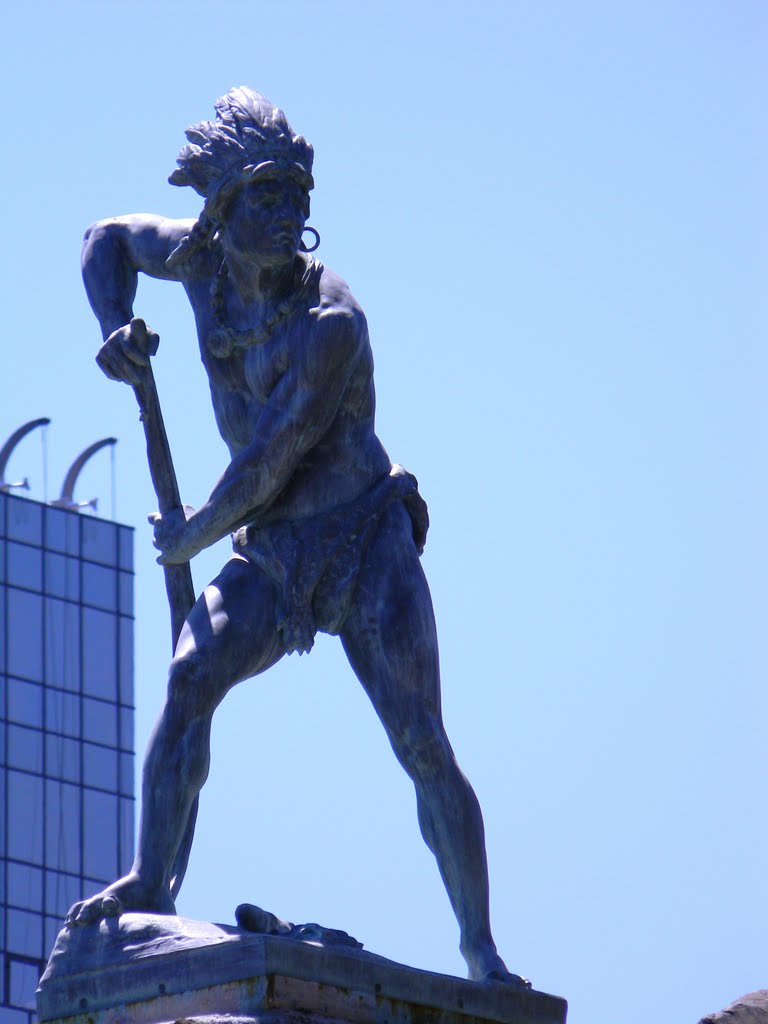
<point x="127" y="350"/>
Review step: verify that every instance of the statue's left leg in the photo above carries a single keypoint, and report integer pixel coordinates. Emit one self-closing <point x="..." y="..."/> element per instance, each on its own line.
<point x="391" y="642"/>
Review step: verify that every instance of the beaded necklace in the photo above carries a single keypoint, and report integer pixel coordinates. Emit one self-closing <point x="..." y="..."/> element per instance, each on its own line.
<point x="224" y="339"/>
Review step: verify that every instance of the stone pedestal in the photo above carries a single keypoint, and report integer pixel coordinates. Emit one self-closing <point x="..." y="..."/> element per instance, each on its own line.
<point x="147" y="969"/>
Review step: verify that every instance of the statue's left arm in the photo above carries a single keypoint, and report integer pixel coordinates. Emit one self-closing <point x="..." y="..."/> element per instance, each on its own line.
<point x="296" y="416"/>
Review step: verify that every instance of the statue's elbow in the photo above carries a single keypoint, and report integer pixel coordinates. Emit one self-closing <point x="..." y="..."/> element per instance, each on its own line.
<point x="101" y="235"/>
<point x="95" y="232"/>
<point x="88" y="240"/>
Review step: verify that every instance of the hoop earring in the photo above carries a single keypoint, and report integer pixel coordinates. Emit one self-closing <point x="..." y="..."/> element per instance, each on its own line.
<point x="305" y="248"/>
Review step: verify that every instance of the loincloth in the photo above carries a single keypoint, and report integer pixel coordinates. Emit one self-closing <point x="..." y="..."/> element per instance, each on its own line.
<point x="315" y="562"/>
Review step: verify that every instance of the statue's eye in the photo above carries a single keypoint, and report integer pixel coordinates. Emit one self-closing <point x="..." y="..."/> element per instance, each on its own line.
<point x="265" y="193"/>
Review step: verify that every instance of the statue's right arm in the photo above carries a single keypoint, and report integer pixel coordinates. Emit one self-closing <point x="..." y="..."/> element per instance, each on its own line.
<point x="115" y="251"/>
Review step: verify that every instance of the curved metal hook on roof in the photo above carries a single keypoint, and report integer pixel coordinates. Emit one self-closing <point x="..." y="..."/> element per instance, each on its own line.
<point x="7" y="450"/>
<point x="67" y="497"/>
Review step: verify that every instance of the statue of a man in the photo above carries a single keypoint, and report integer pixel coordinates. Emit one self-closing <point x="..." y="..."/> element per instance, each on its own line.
<point x="327" y="533"/>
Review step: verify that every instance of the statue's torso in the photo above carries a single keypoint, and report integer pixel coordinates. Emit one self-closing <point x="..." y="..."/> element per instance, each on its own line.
<point x="246" y="386"/>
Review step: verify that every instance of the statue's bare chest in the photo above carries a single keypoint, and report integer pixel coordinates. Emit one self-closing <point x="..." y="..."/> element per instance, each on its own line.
<point x="242" y="384"/>
<point x="264" y="365"/>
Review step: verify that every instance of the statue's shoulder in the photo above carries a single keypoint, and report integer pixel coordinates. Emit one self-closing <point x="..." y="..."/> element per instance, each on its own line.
<point x="338" y="304"/>
<point x="340" y="335"/>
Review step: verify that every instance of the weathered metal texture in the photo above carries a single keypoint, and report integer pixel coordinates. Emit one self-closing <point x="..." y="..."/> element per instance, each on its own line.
<point x="148" y="970"/>
<point x="328" y="533"/>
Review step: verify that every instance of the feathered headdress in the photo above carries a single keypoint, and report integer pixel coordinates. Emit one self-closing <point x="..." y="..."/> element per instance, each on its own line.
<point x="249" y="131"/>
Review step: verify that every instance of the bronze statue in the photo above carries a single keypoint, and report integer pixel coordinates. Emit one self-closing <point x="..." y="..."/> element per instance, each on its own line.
<point x="327" y="532"/>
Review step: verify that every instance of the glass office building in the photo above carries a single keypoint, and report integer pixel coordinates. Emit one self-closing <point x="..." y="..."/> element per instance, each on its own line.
<point x="66" y="727"/>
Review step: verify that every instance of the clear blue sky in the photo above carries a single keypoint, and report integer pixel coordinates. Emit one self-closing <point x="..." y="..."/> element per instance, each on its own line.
<point x="554" y="215"/>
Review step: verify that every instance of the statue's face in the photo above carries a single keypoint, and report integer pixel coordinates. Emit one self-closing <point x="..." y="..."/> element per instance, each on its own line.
<point x="265" y="218"/>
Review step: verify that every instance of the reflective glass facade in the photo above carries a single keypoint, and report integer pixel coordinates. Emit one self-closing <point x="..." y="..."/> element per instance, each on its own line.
<point x="66" y="727"/>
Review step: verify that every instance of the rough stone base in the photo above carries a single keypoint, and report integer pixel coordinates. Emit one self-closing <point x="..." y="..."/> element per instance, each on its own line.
<point x="750" y="1009"/>
<point x="147" y="969"/>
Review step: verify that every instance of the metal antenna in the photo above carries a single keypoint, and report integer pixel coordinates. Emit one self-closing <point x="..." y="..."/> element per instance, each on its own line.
<point x="67" y="497"/>
<point x="113" y="487"/>
<point x="7" y="450"/>
<point x="44" y="442"/>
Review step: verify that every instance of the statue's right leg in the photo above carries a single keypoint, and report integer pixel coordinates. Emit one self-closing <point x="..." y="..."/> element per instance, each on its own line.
<point x="230" y="635"/>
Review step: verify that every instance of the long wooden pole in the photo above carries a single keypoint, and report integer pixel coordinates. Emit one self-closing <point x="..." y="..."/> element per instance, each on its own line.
<point x="178" y="578"/>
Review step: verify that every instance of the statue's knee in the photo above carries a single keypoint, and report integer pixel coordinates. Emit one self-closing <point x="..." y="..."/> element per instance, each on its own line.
<point x="189" y="687"/>
<point x="422" y="747"/>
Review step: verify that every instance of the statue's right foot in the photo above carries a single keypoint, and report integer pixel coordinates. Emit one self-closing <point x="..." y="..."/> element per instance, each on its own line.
<point x="253" y="919"/>
<point x="127" y="894"/>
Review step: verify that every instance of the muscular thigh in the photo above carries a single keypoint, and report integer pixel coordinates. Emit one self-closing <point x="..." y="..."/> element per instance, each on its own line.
<point x="389" y="635"/>
<point x="231" y="632"/>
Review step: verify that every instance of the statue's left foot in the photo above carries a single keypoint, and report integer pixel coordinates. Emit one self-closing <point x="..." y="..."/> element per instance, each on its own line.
<point x="507" y="978"/>
<point x="486" y="965"/>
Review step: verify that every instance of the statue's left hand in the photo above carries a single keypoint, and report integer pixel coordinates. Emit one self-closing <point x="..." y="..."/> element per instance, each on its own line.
<point x="125" y="354"/>
<point x="173" y="537"/>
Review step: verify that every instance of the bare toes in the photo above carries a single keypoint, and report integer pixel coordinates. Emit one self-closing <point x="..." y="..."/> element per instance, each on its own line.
<point x="89" y="913"/>
<point x="515" y="980"/>
<point x="72" y="914"/>
<point x="111" y="906"/>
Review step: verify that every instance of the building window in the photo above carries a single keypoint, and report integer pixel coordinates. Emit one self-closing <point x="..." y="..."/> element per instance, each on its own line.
<point x="62" y="712"/>
<point x="100" y="766"/>
<point x="25" y="703"/>
<point x="24" y="520"/>
<point x="62" y="576"/>
<point x="100" y="721"/>
<point x="25" y="886"/>
<point x="62" y="758"/>
<point x="62" y="644"/>
<point x="25" y="566"/>
<point x="126" y="661"/>
<point x="25" y="622"/>
<point x="21" y="977"/>
<point x="126" y="548"/>
<point x="25" y="933"/>
<point x="100" y="586"/>
<point x="62" y="531"/>
<point x="100" y="855"/>
<point x="62" y="826"/>
<point x="25" y="801"/>
<point x="98" y="540"/>
<point x="25" y="749"/>
<point x="61" y="891"/>
<point x="99" y="654"/>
